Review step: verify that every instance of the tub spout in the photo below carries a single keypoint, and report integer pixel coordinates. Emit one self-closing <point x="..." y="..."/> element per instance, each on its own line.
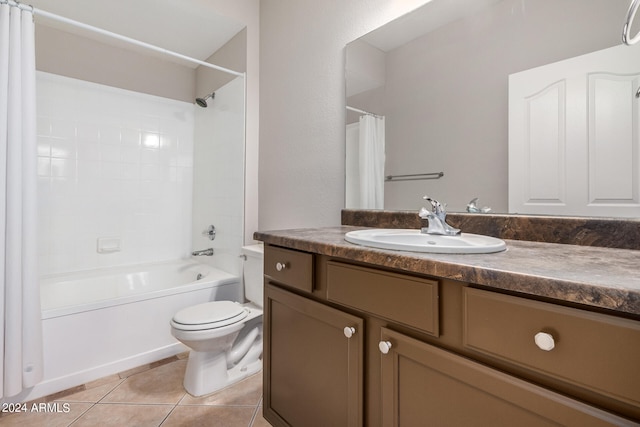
<point x="205" y="252"/>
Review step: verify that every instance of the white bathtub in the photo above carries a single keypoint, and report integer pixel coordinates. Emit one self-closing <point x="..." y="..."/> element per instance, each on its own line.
<point x="102" y="322"/>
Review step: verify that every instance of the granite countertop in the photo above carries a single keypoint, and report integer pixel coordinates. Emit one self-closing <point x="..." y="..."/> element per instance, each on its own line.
<point x="606" y="278"/>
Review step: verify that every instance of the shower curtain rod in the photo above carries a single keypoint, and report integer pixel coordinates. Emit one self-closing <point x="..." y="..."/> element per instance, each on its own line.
<point x="357" y="110"/>
<point x="129" y="40"/>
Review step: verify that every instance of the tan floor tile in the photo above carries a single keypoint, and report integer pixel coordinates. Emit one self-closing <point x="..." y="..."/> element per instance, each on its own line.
<point x="148" y="399"/>
<point x="245" y="392"/>
<point x="93" y="394"/>
<point x="148" y="366"/>
<point x="134" y="371"/>
<point x="119" y="415"/>
<point x="49" y="419"/>
<point x="102" y="381"/>
<point x="161" y="385"/>
<point x="259" y="420"/>
<point x="210" y="416"/>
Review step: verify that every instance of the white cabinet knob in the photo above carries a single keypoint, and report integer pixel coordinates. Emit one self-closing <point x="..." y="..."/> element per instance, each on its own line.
<point x="281" y="266"/>
<point x="544" y="341"/>
<point x="384" y="347"/>
<point x="349" y="331"/>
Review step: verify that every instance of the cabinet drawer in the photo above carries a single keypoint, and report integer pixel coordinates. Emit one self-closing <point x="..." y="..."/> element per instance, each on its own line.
<point x="591" y="350"/>
<point x="425" y="385"/>
<point x="289" y="267"/>
<point x="400" y="298"/>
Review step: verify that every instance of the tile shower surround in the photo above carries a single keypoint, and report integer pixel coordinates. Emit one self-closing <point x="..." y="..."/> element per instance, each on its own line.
<point x="111" y="163"/>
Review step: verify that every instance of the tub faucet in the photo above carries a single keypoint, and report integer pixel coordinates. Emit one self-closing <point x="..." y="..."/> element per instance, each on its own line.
<point x="206" y="252"/>
<point x="437" y="219"/>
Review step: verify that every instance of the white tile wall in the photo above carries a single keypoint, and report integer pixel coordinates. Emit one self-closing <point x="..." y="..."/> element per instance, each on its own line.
<point x="218" y="197"/>
<point x="111" y="163"/>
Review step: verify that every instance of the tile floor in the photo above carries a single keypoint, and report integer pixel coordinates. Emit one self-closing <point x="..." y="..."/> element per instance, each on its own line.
<point x="148" y="397"/>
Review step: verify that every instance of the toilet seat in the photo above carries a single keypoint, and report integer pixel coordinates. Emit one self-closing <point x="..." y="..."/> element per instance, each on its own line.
<point x="210" y="315"/>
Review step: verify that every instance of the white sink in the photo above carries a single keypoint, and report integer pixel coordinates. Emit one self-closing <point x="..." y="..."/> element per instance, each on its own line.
<point x="414" y="240"/>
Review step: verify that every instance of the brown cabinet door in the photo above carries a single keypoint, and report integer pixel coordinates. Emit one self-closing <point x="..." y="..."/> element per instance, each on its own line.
<point x="423" y="385"/>
<point x="313" y="371"/>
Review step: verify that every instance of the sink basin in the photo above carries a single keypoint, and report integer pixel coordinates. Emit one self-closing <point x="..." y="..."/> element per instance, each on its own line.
<point x="413" y="240"/>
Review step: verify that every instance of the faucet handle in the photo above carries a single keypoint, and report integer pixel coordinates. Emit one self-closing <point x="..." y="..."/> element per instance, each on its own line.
<point x="436" y="205"/>
<point x="210" y="232"/>
<point x="424" y="213"/>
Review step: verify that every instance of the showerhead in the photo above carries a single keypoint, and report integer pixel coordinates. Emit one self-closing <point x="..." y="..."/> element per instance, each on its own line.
<point x="202" y="102"/>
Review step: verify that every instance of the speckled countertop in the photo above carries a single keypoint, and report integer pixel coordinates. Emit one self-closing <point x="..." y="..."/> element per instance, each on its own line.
<point x="606" y="278"/>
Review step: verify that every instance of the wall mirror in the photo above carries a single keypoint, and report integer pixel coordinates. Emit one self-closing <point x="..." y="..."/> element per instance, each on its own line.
<point x="435" y="83"/>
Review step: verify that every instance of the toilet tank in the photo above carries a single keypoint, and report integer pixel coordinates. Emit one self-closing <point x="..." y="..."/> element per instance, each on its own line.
<point x="253" y="273"/>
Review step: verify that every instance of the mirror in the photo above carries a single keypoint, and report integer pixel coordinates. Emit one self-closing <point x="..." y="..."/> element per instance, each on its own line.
<point x="440" y="78"/>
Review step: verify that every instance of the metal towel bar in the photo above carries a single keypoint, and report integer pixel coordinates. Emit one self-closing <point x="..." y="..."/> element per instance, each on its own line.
<point x="415" y="176"/>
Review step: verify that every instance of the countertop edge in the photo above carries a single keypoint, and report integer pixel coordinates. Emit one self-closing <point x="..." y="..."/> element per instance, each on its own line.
<point x="603" y="278"/>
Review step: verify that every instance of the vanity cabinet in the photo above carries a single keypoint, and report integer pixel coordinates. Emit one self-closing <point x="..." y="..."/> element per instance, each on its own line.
<point x="429" y="351"/>
<point x="312" y="354"/>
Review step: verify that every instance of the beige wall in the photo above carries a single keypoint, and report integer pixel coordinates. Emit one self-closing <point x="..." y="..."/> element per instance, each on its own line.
<point x="70" y="55"/>
<point x="233" y="56"/>
<point x="74" y="56"/>
<point x="302" y="115"/>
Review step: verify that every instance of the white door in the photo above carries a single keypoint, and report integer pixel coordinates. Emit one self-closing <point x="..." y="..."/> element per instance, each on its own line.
<point x="574" y="136"/>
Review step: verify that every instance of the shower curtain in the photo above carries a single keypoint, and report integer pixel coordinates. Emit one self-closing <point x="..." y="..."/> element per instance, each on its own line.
<point x="20" y="314"/>
<point x="371" y="148"/>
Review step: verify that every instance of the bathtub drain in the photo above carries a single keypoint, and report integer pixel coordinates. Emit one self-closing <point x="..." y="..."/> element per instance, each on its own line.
<point x="199" y="276"/>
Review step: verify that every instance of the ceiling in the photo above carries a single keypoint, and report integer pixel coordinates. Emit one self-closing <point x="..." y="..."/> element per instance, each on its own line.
<point x="189" y="27"/>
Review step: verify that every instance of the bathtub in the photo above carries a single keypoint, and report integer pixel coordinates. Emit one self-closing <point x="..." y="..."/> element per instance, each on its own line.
<point x="102" y="322"/>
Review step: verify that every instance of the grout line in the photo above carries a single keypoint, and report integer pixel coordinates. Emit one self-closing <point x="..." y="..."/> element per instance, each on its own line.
<point x="81" y="415"/>
<point x="168" y="415"/>
<point x="182" y="398"/>
<point x="255" y="415"/>
<point x="122" y="380"/>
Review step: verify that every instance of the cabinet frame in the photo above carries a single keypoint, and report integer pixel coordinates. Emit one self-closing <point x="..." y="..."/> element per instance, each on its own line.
<point x="331" y="319"/>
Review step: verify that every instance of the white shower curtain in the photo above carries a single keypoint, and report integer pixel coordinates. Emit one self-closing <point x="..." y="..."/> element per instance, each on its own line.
<point x="371" y="162"/>
<point x="20" y="314"/>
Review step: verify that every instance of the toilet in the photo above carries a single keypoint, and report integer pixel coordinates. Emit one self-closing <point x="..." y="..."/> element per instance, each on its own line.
<point x="225" y="337"/>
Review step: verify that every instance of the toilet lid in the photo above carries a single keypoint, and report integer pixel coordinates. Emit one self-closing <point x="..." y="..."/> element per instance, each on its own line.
<point x="209" y="315"/>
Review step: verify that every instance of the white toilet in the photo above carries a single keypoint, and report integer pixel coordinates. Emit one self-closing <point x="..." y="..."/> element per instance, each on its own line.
<point x="225" y="337"/>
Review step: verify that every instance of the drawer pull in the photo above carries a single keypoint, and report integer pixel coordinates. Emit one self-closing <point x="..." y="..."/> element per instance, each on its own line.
<point x="384" y="346"/>
<point x="544" y="341"/>
<point x="349" y="331"/>
<point x="281" y="266"/>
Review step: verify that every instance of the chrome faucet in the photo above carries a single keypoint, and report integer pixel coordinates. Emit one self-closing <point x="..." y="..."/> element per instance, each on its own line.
<point x="437" y="219"/>
<point x="205" y="252"/>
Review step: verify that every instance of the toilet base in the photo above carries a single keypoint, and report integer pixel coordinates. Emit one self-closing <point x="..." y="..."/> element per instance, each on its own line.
<point x="207" y="372"/>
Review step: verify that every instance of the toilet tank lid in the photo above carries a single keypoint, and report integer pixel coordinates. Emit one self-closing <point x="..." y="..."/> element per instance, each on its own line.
<point x="256" y="250"/>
